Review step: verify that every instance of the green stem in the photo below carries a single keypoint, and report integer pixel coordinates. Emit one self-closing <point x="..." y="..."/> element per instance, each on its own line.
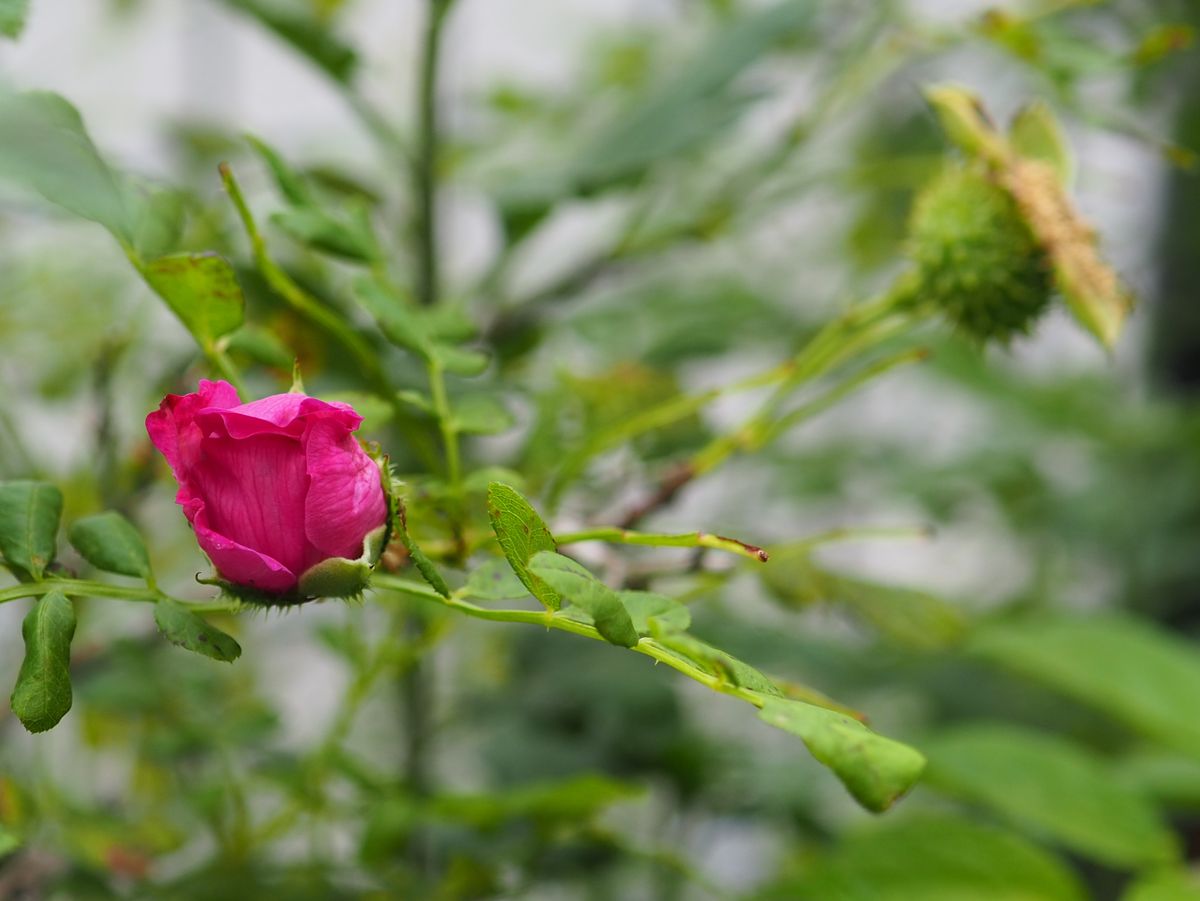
<point x="856" y="331"/>
<point x="424" y="170"/>
<point x="84" y="588"/>
<point x="556" y="619"/>
<point x="446" y="424"/>
<point x="765" y="427"/>
<point x="657" y="539"/>
<point x="328" y="320"/>
<point x="283" y="284"/>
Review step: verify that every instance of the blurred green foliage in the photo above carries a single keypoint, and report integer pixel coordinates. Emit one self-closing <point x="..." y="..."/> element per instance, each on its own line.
<point x="1043" y="658"/>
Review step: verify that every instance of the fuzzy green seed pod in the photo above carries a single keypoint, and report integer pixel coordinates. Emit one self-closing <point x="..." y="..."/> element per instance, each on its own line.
<point x="976" y="259"/>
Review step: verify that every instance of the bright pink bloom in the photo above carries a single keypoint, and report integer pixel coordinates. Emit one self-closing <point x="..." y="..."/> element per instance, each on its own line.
<point x="271" y="487"/>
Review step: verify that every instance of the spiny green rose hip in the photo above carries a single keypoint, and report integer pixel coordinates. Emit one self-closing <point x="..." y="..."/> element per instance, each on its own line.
<point x="977" y="261"/>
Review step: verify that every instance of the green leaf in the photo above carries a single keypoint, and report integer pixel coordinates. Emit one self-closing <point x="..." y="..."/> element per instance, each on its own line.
<point x="1165" y="885"/>
<point x="495" y="581"/>
<point x="201" y="289"/>
<point x="1036" y="134"/>
<point x="8" y="841"/>
<point x="261" y="345"/>
<point x="12" y="17"/>
<point x="906" y="616"/>
<point x="46" y="147"/>
<point x="521" y="534"/>
<point x="874" y="769"/>
<point x="323" y="231"/>
<point x="655" y="613"/>
<point x="692" y="106"/>
<point x="305" y="33"/>
<point x="481" y="414"/>
<point x="110" y="542"/>
<point x="399" y="323"/>
<point x="584" y="591"/>
<point x="460" y="360"/>
<point x="1172" y="780"/>
<point x="42" y="695"/>
<point x="29" y="515"/>
<point x="290" y="183"/>
<point x="1142" y="676"/>
<point x="159" y="215"/>
<point x="1053" y="788"/>
<point x="713" y="660"/>
<point x="933" y="858"/>
<point x="188" y="630"/>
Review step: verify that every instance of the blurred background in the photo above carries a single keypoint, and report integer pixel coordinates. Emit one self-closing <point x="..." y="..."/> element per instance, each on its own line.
<point x="637" y="200"/>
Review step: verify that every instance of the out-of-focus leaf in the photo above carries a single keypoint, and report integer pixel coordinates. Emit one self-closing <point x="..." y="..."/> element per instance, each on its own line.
<point x="1170" y="779"/>
<point x="8" y="842"/>
<point x="262" y="345"/>
<point x="42" y="695"/>
<point x="581" y="589"/>
<point x="933" y="858"/>
<point x="349" y="239"/>
<point x="570" y="800"/>
<point x="306" y="33"/>
<point x="481" y="414"/>
<point x="159" y="215"/>
<point x="375" y="411"/>
<point x="909" y="617"/>
<point x="290" y="183"/>
<point x="1142" y="676"/>
<point x="1036" y="134"/>
<point x="495" y="580"/>
<point x="460" y="360"/>
<point x="46" y="147"/>
<point x="29" y="515"/>
<point x="521" y="534"/>
<point x="201" y="289"/>
<point x="655" y="613"/>
<point x="189" y="630"/>
<point x="1054" y="788"/>
<point x="1165" y="885"/>
<point x="110" y="542"/>
<point x="692" y="105"/>
<point x="12" y="17"/>
<point x="875" y="770"/>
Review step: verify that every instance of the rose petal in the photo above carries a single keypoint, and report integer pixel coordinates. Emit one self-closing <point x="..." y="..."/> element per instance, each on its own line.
<point x="237" y="563"/>
<point x="279" y="414"/>
<point x="172" y="427"/>
<point x="253" y="490"/>
<point x="345" y="495"/>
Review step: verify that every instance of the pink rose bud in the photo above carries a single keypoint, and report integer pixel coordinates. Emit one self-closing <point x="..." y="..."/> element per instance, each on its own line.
<point x="275" y="489"/>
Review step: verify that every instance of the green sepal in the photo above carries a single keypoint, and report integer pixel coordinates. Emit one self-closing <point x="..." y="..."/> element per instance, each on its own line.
<point x="338" y="577"/>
